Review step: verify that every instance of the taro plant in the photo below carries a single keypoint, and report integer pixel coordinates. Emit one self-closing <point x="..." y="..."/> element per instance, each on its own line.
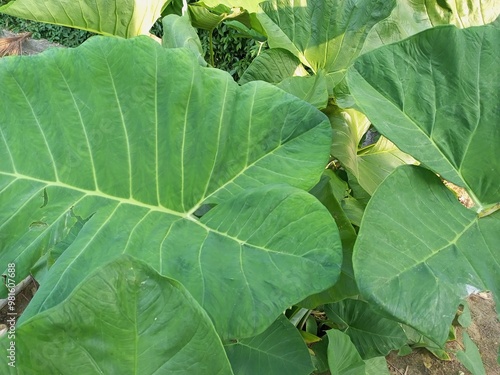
<point x="418" y="248"/>
<point x="135" y="145"/>
<point x="180" y="222"/>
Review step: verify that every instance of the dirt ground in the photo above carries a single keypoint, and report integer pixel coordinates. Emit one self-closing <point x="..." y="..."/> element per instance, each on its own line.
<point x="484" y="331"/>
<point x="22" y="300"/>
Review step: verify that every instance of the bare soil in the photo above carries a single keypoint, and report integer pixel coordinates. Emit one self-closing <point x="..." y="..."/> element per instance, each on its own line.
<point x="22" y="300"/>
<point x="484" y="331"/>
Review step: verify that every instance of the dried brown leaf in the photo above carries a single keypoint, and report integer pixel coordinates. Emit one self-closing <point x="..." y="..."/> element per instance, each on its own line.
<point x="461" y="194"/>
<point x="13" y="45"/>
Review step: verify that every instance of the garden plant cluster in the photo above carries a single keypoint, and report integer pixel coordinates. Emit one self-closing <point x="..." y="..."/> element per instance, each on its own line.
<point x="178" y="221"/>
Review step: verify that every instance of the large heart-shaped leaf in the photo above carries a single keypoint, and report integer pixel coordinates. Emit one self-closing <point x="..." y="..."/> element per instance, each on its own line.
<point x="420" y="252"/>
<point x="279" y="349"/>
<point x="124" y="319"/>
<point x="125" y="18"/>
<point x="436" y="107"/>
<point x="324" y="34"/>
<point x="137" y="140"/>
<point x="413" y="16"/>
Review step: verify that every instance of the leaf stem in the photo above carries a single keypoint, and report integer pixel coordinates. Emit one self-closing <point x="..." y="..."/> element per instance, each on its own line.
<point x="489" y="210"/>
<point x="211" y="46"/>
<point x="260" y="48"/>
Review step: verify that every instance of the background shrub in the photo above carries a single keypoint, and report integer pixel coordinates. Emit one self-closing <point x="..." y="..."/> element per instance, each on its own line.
<point x="232" y="52"/>
<point x="65" y="36"/>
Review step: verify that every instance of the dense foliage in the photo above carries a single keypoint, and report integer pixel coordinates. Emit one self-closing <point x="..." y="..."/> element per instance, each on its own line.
<point x="233" y="52"/>
<point x="178" y="221"/>
<point x="65" y="36"/>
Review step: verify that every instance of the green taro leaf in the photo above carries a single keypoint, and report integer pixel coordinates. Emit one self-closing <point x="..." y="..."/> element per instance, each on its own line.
<point x="208" y="18"/>
<point x="417" y="340"/>
<point x="371" y="334"/>
<point x="419" y="251"/>
<point x="330" y="191"/>
<point x="438" y="107"/>
<point x="371" y="164"/>
<point x="324" y="34"/>
<point x="125" y="18"/>
<point x="376" y="366"/>
<point x="251" y="6"/>
<point x="279" y="254"/>
<point x="202" y="17"/>
<point x="465" y="318"/>
<point x="354" y="210"/>
<point x="140" y="137"/>
<point x="319" y="356"/>
<point x="413" y="16"/>
<point x="377" y="161"/>
<point x="251" y="29"/>
<point x="471" y="358"/>
<point x="56" y="251"/>
<point x="312" y="89"/>
<point x="280" y="67"/>
<point x="151" y="325"/>
<point x="273" y="66"/>
<point x="178" y="33"/>
<point x="280" y="349"/>
<point x="343" y="358"/>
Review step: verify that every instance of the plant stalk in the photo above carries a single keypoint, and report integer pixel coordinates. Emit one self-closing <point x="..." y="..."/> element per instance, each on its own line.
<point x="211" y="47"/>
